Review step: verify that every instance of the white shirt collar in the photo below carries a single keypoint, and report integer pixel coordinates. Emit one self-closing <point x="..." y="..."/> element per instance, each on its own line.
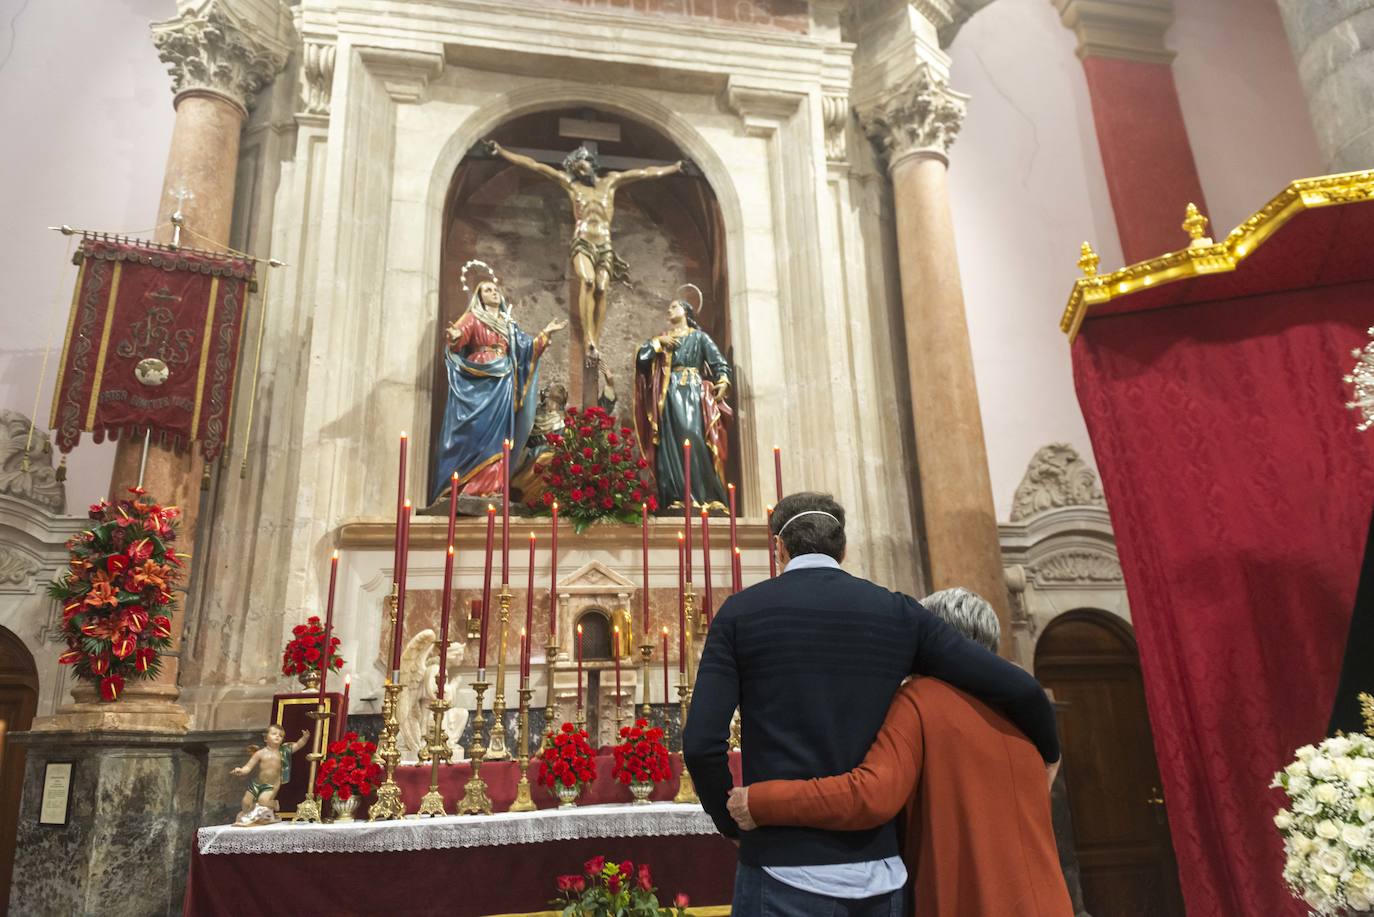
<point x="811" y="561"/>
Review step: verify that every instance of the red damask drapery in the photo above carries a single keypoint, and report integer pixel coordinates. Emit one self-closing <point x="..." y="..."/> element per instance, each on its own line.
<point x="152" y="344"/>
<point x="1240" y="495"/>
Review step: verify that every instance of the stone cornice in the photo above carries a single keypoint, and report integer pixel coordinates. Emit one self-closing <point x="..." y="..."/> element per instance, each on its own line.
<point x="1124" y="29"/>
<point x="920" y="116"/>
<point x="210" y="49"/>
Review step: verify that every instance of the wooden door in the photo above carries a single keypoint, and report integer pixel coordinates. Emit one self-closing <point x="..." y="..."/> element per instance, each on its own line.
<point x="18" y="703"/>
<point x="1125" y="855"/>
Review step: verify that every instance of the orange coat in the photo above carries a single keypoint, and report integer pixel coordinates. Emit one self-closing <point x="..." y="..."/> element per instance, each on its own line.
<point x="977" y="839"/>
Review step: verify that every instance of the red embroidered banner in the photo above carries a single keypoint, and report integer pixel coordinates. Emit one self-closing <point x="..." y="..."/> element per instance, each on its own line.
<point x="152" y="345"/>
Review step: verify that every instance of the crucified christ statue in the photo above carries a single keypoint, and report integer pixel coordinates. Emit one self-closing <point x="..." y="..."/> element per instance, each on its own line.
<point x="594" y="260"/>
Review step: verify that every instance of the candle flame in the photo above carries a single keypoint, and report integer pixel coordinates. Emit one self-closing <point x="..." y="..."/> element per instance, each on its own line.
<point x="727" y="486"/>
<point x="335" y="555"/>
<point x="617" y="628"/>
<point x="455" y="477"/>
<point x="450" y="550"/>
<point x="736" y="550"/>
<point x="522" y="633"/>
<point x="555" y="506"/>
<point x="686" y="444"/>
<point x="679" y="536"/>
<point x="403" y="434"/>
<point x="490" y="508"/>
<point x="407" y="503"/>
<point x="579" y="630"/>
<point x="665" y="631"/>
<point x="531" y="538"/>
<point x="703" y="512"/>
<point x="348" y="680"/>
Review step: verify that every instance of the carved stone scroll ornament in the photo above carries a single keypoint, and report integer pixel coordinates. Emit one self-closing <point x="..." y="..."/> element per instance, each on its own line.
<point x="835" y="116"/>
<point x="317" y="76"/>
<point x="921" y="115"/>
<point x="34" y="481"/>
<point x="16" y="568"/>
<point x="1077" y="567"/>
<point x="212" y="49"/>
<point x="1057" y="476"/>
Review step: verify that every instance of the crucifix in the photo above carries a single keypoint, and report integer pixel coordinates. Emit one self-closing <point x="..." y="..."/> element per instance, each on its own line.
<point x="595" y="263"/>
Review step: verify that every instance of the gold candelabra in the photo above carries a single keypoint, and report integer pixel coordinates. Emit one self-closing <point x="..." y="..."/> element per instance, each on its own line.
<point x="686" y="789"/>
<point x="439" y="752"/>
<point x="475" y="800"/>
<point x="550" y="657"/>
<point x="523" y="801"/>
<point x="647" y="651"/>
<point x="388" y="803"/>
<point x="309" y="809"/>
<point x="496" y="743"/>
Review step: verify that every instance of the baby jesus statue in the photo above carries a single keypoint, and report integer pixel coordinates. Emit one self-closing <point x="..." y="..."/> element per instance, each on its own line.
<point x="274" y="771"/>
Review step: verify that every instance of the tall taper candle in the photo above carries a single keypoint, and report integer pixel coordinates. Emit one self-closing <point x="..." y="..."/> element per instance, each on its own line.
<point x="400" y="502"/>
<point x="348" y="683"/>
<point x="445" y="608"/>
<point x="777" y="471"/>
<point x="681" y="606"/>
<point x="399" y="631"/>
<point x="328" y="622"/>
<point x="615" y="653"/>
<point x="644" y="542"/>
<point x="772" y="554"/>
<point x="524" y="657"/>
<point x="505" y="512"/>
<point x="739" y="571"/>
<point x="687" y="500"/>
<point x="734" y="543"/>
<point x="665" y="667"/>
<point x="579" y="667"/>
<point x="553" y="577"/>
<point x="529" y="592"/>
<point x="706" y="560"/>
<point x="486" y="594"/>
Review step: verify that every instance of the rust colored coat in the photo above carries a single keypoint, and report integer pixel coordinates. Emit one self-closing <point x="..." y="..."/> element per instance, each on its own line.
<point x="977" y="838"/>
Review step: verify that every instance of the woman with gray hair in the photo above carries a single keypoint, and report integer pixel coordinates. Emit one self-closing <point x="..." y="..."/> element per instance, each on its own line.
<point x="968" y="613"/>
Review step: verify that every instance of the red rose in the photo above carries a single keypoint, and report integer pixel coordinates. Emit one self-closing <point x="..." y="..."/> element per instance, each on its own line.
<point x="613" y="883"/>
<point x="607" y="503"/>
<point x="576" y="468"/>
<point x="565" y="883"/>
<point x="646" y="881"/>
<point x="576" y="493"/>
<point x="572" y="412"/>
<point x="613" y="439"/>
<point x="579" y="885"/>
<point x="587" y="452"/>
<point x="642" y="463"/>
<point x="626" y="431"/>
<point x="548" y="498"/>
<point x="681" y="901"/>
<point x="585" y="431"/>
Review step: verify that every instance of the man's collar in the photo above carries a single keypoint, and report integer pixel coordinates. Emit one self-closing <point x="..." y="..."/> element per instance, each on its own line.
<point x="811" y="561"/>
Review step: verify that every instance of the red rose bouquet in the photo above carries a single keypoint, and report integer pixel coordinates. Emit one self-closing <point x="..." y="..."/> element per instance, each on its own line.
<point x="305" y="655"/>
<point x="641" y="758"/>
<point x="566" y="760"/>
<point x="348" y="769"/>
<point x="605" y="887"/>
<point x="117" y="596"/>
<point x="594" y="471"/>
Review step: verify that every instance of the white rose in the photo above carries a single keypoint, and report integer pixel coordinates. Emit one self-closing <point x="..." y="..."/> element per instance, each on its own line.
<point x="1328" y="829"/>
<point x="1283" y="821"/>
<point x="1357" y="880"/>
<point x="1296" y="769"/>
<point x="1321" y="768"/>
<point x="1327" y="883"/>
<point x="1337" y="746"/>
<point x="1355" y="837"/>
<point x="1302" y="844"/>
<point x="1299" y="785"/>
<point x="1342" y="766"/>
<point x="1331" y="861"/>
<point x="1359" y="899"/>
<point x="1305" y="752"/>
<point x="1359" y="776"/>
<point x="1364" y="807"/>
<point x="1326" y="793"/>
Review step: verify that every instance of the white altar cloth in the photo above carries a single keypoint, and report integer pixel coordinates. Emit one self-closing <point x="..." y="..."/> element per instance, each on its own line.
<point x="451" y="831"/>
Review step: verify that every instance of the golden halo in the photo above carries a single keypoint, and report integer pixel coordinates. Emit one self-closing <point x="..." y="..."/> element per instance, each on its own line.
<point x="701" y="298"/>
<point x="491" y="274"/>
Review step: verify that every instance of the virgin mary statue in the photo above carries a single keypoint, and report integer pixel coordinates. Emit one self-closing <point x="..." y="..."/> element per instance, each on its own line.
<point x="681" y="384"/>
<point x="493" y="366"/>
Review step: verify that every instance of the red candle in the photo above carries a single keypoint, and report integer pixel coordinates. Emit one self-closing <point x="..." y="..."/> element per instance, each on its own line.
<point x="772" y="554"/>
<point x="579" y="667"/>
<point x="400" y="503"/>
<point x="687" y="500"/>
<point x="328" y="622"/>
<point x="529" y="593"/>
<point x="553" y="577"/>
<point x="644" y="541"/>
<point x="681" y="606"/>
<point x="505" y="512"/>
<point x="445" y="607"/>
<point x="486" y="594"/>
<point x="665" y="665"/>
<point x="739" y="572"/>
<point x="706" y="561"/>
<point x="348" y="683"/>
<point x="777" y="471"/>
<point x="524" y="657"/>
<point x="399" y="630"/>
<point x="734" y="543"/>
<point x="615" y="653"/>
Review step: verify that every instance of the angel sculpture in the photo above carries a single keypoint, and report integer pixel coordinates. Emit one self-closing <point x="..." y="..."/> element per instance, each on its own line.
<point x="419" y="676"/>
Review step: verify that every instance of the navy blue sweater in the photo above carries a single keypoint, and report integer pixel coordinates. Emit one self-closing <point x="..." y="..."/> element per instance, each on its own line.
<point x="812" y="659"/>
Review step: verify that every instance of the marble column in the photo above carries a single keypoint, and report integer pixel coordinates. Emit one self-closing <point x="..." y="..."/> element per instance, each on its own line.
<point x="218" y="62"/>
<point x="1333" y="44"/>
<point x="1146" y="155"/>
<point x="912" y="125"/>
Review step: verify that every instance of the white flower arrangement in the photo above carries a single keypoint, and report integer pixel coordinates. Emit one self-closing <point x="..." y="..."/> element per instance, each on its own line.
<point x="1328" y="829"/>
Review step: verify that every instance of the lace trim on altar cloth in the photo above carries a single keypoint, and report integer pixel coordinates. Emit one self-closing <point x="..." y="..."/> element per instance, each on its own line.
<point x="455" y="831"/>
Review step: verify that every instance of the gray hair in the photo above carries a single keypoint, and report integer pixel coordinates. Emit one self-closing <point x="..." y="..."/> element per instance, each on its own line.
<point x="820" y="531"/>
<point x="968" y="613"/>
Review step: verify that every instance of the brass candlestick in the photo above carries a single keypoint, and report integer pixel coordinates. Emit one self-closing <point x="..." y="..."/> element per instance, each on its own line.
<point x="647" y="651"/>
<point x="523" y="801"/>
<point x="686" y="789"/>
<point x="309" y="809"/>
<point x="496" y="744"/>
<point x="388" y="803"/>
<point x="550" y="657"/>
<point x="475" y="800"/>
<point x="439" y="752"/>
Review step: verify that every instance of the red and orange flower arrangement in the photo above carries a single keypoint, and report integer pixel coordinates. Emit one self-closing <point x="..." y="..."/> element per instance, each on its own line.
<point x="122" y="572"/>
<point x="594" y="471"/>
<point x="305" y="654"/>
<point x="567" y="762"/>
<point x="348" y="769"/>
<point x="641" y="759"/>
<point x="606" y="887"/>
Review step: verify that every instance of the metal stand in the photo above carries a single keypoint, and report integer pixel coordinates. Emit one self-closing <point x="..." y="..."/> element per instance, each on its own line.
<point x="496" y="744"/>
<point x="310" y="809"/>
<point x="647" y="651"/>
<point x="686" y="789"/>
<point x="523" y="802"/>
<point x="550" y="657"/>
<point x="475" y="800"/>
<point x="439" y="752"/>
<point x="388" y="804"/>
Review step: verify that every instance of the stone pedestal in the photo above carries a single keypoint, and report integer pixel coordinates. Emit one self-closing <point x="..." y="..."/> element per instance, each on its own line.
<point x="1332" y="43"/>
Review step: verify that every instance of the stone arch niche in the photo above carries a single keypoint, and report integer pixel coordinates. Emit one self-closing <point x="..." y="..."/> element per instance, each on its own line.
<point x="671" y="231"/>
<point x="596" y="635"/>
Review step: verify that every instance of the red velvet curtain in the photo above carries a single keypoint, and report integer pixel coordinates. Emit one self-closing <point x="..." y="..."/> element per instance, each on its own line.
<point x="1240" y="495"/>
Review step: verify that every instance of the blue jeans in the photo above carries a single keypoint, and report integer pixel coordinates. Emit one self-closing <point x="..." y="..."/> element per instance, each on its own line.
<point x="757" y="894"/>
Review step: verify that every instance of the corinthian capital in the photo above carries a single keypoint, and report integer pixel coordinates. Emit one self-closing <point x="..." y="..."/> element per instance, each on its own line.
<point x="919" y="116"/>
<point x="209" y="48"/>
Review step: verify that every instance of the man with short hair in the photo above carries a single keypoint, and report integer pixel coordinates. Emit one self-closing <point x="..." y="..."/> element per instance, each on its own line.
<point x="812" y="659"/>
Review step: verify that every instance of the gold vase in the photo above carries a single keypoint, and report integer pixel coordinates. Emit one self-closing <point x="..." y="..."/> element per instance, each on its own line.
<point x="641" y="790"/>
<point x="311" y="679"/>
<point x="567" y="795"/>
<point x="343" y="809"/>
